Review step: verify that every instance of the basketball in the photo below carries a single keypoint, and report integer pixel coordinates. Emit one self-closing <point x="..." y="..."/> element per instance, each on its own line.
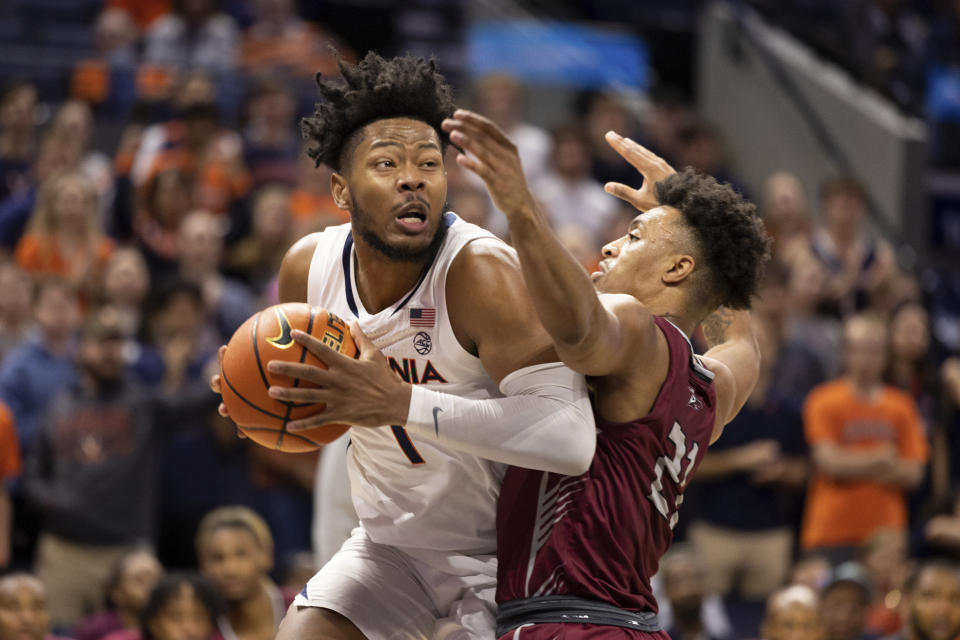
<point x="245" y="380"/>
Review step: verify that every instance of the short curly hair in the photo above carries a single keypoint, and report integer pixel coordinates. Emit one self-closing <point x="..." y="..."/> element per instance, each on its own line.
<point x="374" y="89"/>
<point x="729" y="235"/>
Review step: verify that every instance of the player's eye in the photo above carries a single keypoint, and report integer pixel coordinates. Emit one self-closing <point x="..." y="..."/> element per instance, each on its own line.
<point x="430" y="163"/>
<point x="385" y="163"/>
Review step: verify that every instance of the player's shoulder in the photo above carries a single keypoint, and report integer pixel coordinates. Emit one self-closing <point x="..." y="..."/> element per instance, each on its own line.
<point x="632" y="315"/>
<point x="295" y="267"/>
<point x="303" y="249"/>
<point x="481" y="258"/>
<point x="490" y="251"/>
<point x="301" y="252"/>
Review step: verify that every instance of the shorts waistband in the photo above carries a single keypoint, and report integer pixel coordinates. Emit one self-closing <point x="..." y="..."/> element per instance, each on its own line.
<point x="571" y="609"/>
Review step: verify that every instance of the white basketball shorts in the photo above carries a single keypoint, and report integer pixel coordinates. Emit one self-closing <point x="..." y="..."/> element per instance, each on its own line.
<point x="409" y="594"/>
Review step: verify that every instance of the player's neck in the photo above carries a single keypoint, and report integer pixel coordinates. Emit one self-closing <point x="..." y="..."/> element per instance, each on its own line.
<point x="381" y="281"/>
<point x="668" y="304"/>
<point x="682" y="322"/>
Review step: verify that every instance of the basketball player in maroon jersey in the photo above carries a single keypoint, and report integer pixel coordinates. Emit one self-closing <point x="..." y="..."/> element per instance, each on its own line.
<point x="576" y="554"/>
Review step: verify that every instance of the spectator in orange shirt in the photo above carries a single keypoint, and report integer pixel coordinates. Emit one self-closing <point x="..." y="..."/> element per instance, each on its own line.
<point x="9" y="467"/>
<point x="280" y="41"/>
<point x="64" y="236"/>
<point x="868" y="448"/>
<point x="100" y="78"/>
<point x="196" y="143"/>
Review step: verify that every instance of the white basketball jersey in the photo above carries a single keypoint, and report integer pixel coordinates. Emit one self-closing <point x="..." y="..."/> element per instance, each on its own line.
<point x="409" y="492"/>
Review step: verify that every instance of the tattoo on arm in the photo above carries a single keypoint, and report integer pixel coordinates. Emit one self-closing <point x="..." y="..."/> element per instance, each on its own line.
<point x="716" y="325"/>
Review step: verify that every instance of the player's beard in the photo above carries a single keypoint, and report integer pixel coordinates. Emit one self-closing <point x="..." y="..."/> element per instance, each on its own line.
<point x="362" y="224"/>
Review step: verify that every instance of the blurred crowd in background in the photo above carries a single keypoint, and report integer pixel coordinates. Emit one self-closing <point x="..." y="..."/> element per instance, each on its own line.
<point x="144" y="211"/>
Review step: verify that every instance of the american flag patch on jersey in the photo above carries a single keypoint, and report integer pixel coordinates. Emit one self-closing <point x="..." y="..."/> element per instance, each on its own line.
<point x="423" y="317"/>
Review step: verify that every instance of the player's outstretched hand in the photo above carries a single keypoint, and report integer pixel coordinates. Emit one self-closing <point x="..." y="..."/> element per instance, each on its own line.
<point x="490" y="154"/>
<point x="363" y="392"/>
<point x="652" y="167"/>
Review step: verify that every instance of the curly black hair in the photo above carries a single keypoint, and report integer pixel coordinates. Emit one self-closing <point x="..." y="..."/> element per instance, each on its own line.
<point x="375" y="89"/>
<point x="729" y="235"/>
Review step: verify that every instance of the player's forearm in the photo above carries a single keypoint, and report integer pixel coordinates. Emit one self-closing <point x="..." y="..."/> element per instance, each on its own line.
<point x="544" y="423"/>
<point x="561" y="289"/>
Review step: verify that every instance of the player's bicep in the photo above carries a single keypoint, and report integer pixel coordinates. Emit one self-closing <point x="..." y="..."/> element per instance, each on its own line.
<point x="623" y="336"/>
<point x="490" y="307"/>
<point x="740" y="367"/>
<point x="725" y="389"/>
<point x="295" y="269"/>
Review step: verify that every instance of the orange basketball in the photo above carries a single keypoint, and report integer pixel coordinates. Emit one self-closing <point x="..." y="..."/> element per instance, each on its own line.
<point x="245" y="381"/>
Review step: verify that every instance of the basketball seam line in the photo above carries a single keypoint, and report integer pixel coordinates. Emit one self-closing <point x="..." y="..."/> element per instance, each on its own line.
<point x="260" y="409"/>
<point x="296" y="382"/>
<point x="292" y="434"/>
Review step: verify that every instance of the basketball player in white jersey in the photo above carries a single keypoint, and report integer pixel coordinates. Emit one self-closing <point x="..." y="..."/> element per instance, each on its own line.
<point x="445" y="302"/>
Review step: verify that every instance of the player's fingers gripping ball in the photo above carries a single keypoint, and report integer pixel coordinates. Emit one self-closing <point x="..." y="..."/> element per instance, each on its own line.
<point x="245" y="380"/>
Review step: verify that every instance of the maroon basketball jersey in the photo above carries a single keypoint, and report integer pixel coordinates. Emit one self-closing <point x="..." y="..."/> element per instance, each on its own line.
<point x="601" y="535"/>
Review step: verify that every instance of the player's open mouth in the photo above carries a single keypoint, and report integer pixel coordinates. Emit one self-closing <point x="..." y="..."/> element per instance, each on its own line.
<point x="413" y="217"/>
<point x="604" y="267"/>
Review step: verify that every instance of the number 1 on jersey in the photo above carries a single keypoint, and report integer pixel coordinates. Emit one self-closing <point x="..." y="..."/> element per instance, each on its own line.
<point x="406" y="445"/>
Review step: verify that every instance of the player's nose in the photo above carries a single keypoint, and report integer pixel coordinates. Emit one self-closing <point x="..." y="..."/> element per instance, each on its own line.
<point x="411" y="180"/>
<point x="610" y="250"/>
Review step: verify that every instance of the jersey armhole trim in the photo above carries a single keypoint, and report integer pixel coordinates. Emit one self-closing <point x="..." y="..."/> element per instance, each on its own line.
<point x="347" y="280"/>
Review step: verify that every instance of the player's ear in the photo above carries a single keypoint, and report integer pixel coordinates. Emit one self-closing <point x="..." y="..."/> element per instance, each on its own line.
<point x="340" y="191"/>
<point x="680" y="268"/>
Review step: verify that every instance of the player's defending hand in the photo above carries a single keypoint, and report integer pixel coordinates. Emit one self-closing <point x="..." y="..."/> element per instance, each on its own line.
<point x="492" y="157"/>
<point x="652" y="167"/>
<point x="364" y="392"/>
